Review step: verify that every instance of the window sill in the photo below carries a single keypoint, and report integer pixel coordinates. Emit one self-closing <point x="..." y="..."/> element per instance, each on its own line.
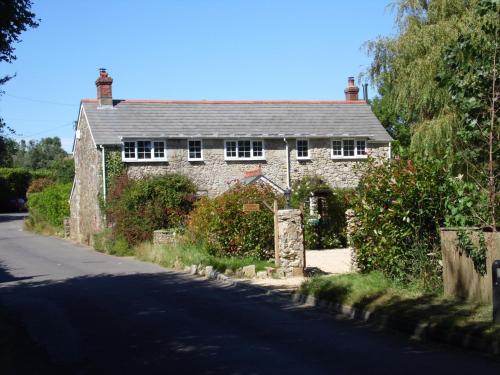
<point x="303" y="159"/>
<point x="361" y="157"/>
<point x="244" y="159"/>
<point x="195" y="160"/>
<point x="143" y="160"/>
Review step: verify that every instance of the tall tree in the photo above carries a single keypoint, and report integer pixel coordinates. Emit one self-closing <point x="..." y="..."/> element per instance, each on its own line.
<point x="15" y="18"/>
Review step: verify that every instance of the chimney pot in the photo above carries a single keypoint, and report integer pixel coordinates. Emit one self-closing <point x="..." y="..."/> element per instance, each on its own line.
<point x="104" y="88"/>
<point x="351" y="91"/>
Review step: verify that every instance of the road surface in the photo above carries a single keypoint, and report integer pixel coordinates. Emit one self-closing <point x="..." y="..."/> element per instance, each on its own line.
<point x="95" y="313"/>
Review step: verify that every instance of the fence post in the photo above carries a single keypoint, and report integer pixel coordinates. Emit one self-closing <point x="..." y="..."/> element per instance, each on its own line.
<point x="495" y="275"/>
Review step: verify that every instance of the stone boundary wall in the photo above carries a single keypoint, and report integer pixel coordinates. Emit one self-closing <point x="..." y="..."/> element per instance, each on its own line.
<point x="164" y="237"/>
<point x="460" y="279"/>
<point x="291" y="250"/>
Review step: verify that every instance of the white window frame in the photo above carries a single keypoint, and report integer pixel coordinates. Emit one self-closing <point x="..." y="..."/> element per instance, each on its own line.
<point x="308" y="157"/>
<point x="153" y="158"/>
<point x="201" y="150"/>
<point x="252" y="140"/>
<point x="355" y="156"/>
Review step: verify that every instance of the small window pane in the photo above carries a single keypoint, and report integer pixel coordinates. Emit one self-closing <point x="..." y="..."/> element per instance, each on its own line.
<point x="243" y="149"/>
<point x="144" y="149"/>
<point x="129" y="150"/>
<point x="361" y="147"/>
<point x="159" y="149"/>
<point x="348" y="147"/>
<point x="194" y="149"/>
<point x="337" y="148"/>
<point x="231" y="149"/>
<point x="302" y="148"/>
<point x="257" y="149"/>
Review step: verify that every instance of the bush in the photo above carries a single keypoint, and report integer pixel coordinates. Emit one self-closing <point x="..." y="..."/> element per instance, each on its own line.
<point x="107" y="242"/>
<point x="13" y="184"/>
<point x="49" y="206"/>
<point x="138" y="207"/>
<point x="400" y="207"/>
<point x="328" y="229"/>
<point x="226" y="230"/>
<point x="39" y="185"/>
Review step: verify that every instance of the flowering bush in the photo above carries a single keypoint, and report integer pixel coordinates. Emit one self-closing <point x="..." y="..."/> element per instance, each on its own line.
<point x="225" y="229"/>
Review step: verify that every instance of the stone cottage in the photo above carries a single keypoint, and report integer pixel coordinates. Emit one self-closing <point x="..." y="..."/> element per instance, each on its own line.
<point x="215" y="142"/>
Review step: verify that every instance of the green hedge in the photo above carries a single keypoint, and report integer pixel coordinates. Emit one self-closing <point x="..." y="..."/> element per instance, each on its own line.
<point x="400" y="206"/>
<point x="49" y="206"/>
<point x="329" y="229"/>
<point x="226" y="230"/>
<point x="138" y="207"/>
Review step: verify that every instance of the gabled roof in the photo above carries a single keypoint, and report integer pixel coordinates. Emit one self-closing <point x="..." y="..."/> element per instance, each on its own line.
<point x="228" y="119"/>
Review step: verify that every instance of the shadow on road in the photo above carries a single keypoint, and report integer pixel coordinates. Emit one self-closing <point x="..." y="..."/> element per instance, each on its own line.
<point x="171" y="323"/>
<point x="4" y="217"/>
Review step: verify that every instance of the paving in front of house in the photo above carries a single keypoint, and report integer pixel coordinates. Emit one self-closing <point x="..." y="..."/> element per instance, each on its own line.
<point x="328" y="261"/>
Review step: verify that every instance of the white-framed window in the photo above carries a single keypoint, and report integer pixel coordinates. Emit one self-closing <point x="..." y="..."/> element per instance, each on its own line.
<point x="195" y="150"/>
<point x="302" y="149"/>
<point x="144" y="150"/>
<point x="348" y="148"/>
<point x="244" y="149"/>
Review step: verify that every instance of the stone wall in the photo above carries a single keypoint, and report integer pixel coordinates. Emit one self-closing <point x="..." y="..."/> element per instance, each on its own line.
<point x="291" y="242"/>
<point x="86" y="218"/>
<point x="214" y="175"/>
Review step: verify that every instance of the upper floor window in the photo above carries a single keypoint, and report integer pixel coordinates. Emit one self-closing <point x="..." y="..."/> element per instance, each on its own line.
<point x="244" y="149"/>
<point x="302" y="149"/>
<point x="144" y="150"/>
<point x="195" y="151"/>
<point x="348" y="148"/>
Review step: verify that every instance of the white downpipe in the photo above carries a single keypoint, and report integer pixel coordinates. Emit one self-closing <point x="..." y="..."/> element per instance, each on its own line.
<point x="287" y="164"/>
<point x="103" y="172"/>
<point x="390" y="150"/>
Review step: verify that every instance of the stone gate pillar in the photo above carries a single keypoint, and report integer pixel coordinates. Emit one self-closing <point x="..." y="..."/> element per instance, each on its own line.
<point x="292" y="256"/>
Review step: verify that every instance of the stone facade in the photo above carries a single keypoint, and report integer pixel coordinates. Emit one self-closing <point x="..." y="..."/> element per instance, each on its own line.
<point x="291" y="242"/>
<point x="214" y="174"/>
<point x="86" y="218"/>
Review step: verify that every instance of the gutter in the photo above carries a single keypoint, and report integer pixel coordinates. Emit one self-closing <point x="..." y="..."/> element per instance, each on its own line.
<point x="287" y="163"/>
<point x="103" y="158"/>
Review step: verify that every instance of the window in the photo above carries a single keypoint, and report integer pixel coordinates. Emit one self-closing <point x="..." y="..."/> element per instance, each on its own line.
<point x="361" y="147"/>
<point x="302" y="149"/>
<point x="257" y="149"/>
<point x="348" y="148"/>
<point x="159" y="147"/>
<point x="194" y="150"/>
<point x="144" y="150"/>
<point x="244" y="149"/>
<point x="129" y="150"/>
<point x="336" y="148"/>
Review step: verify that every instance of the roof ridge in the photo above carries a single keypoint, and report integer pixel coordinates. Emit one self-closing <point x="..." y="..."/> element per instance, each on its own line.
<point x="235" y="101"/>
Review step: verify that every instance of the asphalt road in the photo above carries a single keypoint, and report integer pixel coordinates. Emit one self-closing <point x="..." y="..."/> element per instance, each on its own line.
<point x="98" y="314"/>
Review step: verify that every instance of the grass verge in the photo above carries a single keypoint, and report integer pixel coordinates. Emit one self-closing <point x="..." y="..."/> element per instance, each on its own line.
<point x="406" y="307"/>
<point x="41" y="227"/>
<point x="179" y="256"/>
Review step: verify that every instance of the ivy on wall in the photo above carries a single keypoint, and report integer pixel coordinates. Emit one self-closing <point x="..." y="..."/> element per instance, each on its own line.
<point x="114" y="165"/>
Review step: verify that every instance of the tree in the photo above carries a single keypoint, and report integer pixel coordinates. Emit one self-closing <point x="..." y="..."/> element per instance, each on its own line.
<point x="472" y="77"/>
<point x="40" y="154"/>
<point x="15" y="18"/>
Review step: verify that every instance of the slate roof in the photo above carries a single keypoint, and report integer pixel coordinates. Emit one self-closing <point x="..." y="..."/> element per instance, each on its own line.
<point x="228" y="119"/>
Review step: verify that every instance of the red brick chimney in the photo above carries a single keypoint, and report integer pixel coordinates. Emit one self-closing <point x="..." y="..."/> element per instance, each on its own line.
<point x="104" y="83"/>
<point x="351" y="91"/>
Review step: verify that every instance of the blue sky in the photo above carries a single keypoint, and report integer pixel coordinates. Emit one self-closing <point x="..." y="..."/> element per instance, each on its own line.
<point x="184" y="49"/>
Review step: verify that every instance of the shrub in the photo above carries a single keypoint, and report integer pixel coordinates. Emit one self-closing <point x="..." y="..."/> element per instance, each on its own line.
<point x="49" y="206"/>
<point x="114" y="244"/>
<point x="400" y="207"/>
<point x="39" y="185"/>
<point x="138" y="207"/>
<point x="328" y="229"/>
<point x="13" y="184"/>
<point x="226" y="230"/>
